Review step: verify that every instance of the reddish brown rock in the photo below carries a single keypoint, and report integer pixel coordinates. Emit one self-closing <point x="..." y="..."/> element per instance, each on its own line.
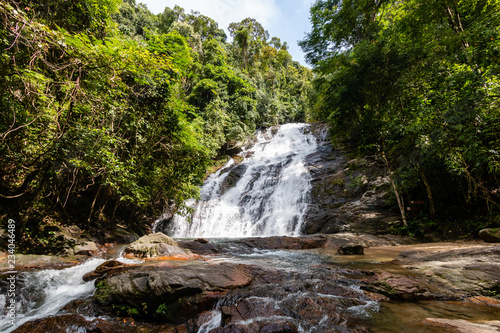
<point x="74" y="323"/>
<point x="484" y="300"/>
<point x="461" y="326"/>
<point x="103" y="269"/>
<point x="397" y="287"/>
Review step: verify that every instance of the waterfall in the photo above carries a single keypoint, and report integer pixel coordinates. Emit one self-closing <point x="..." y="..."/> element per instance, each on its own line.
<point x="264" y="195"/>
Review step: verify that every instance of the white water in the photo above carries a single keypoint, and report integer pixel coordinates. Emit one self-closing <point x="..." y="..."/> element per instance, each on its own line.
<point x="212" y="323"/>
<point x="44" y="293"/>
<point x="269" y="199"/>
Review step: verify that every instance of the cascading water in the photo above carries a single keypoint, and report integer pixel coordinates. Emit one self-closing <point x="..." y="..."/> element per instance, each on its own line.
<point x="46" y="292"/>
<point x="265" y="195"/>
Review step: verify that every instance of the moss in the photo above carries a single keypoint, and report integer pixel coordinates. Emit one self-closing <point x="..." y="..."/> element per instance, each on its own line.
<point x="125" y="310"/>
<point x="102" y="293"/>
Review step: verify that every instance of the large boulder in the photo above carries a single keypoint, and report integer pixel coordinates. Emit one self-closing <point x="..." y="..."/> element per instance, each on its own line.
<point x="155" y="245"/>
<point x="490" y="235"/>
<point x="86" y="248"/>
<point x="174" y="294"/>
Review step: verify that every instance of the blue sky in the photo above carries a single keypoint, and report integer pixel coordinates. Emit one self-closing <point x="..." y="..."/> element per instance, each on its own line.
<point x="286" y="19"/>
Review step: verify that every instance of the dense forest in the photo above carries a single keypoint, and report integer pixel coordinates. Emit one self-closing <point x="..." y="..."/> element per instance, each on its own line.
<point x="111" y="115"/>
<point x="416" y="82"/>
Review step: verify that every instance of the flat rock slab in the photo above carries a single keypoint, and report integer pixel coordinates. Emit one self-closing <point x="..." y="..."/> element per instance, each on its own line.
<point x="469" y="271"/>
<point x="462" y="326"/>
<point x="31" y="261"/>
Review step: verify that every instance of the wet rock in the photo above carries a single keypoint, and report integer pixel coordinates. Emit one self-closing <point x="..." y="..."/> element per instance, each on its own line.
<point x="248" y="245"/>
<point x="154" y="245"/>
<point x="490" y="235"/>
<point x="85" y="307"/>
<point x="201" y="240"/>
<point x="232" y="178"/>
<point x="282" y="242"/>
<point x="398" y="287"/>
<point x="202" y="248"/>
<point x="103" y="269"/>
<point x="77" y="323"/>
<point x="278" y="326"/>
<point x="461" y="326"/>
<point x="279" y="301"/>
<point x="73" y="323"/>
<point x="174" y="294"/>
<point x="87" y="248"/>
<point x="56" y="324"/>
<point x="351" y="250"/>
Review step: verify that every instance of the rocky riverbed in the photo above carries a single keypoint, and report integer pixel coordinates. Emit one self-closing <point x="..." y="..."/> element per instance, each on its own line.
<point x="289" y="284"/>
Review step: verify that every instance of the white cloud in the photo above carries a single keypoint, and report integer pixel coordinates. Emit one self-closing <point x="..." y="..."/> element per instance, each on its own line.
<point x="224" y="12"/>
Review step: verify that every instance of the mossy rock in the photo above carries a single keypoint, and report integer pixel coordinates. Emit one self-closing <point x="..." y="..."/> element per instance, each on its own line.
<point x="490" y="235"/>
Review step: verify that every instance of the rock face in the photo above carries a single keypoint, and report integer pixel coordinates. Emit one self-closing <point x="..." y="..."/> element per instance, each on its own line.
<point x="490" y="235"/>
<point x="174" y="294"/>
<point x="155" y="245"/>
<point x="347" y="194"/>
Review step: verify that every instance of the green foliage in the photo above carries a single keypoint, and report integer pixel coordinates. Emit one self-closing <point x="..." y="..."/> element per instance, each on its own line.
<point x="163" y="310"/>
<point x="417" y="82"/>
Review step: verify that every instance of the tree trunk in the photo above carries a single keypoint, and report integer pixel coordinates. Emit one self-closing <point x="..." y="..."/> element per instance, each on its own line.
<point x="396" y="192"/>
<point x="429" y="191"/>
<point x="93" y="206"/>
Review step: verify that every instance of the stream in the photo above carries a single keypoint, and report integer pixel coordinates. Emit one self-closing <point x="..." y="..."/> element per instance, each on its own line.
<point x="46" y="293"/>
